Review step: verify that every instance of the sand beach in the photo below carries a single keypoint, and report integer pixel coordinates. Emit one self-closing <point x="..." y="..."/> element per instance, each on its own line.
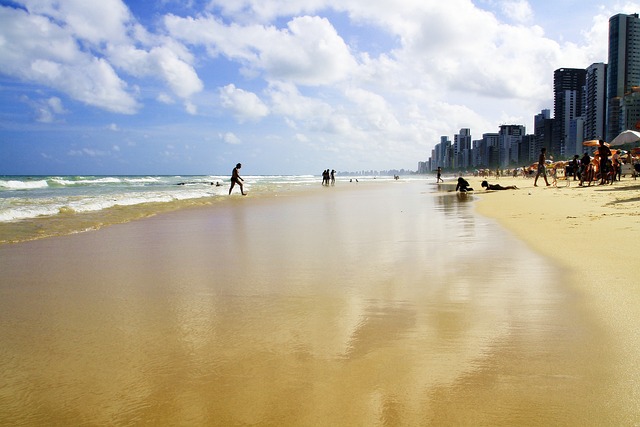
<point x="594" y="233"/>
<point x="372" y="304"/>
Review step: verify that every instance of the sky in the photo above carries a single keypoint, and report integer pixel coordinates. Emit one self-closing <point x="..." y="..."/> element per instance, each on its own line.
<point x="282" y="86"/>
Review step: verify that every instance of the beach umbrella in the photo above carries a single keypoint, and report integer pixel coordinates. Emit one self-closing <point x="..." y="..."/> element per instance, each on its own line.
<point x="626" y="137"/>
<point x="594" y="143"/>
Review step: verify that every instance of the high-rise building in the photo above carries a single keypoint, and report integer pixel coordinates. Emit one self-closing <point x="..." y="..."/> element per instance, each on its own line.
<point x="568" y="87"/>
<point x="542" y="129"/>
<point x="595" y="102"/>
<point x="510" y="136"/>
<point x="486" y="151"/>
<point x="462" y="148"/>
<point x="442" y="153"/>
<point x="623" y="74"/>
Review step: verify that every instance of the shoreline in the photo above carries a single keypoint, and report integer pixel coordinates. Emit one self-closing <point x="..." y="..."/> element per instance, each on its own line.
<point x="592" y="233"/>
<point x="70" y="222"/>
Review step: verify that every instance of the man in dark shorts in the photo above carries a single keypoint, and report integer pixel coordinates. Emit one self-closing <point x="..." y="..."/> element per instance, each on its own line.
<point x="235" y="179"/>
<point x="542" y="170"/>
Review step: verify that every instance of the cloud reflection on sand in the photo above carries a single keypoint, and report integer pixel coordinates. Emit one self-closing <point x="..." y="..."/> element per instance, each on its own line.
<point x="366" y="307"/>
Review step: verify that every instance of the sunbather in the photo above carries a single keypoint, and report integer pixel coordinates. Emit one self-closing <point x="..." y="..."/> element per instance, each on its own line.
<point x="488" y="186"/>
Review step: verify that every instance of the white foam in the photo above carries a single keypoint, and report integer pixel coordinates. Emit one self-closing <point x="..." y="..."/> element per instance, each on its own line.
<point x="23" y="185"/>
<point x="105" y="180"/>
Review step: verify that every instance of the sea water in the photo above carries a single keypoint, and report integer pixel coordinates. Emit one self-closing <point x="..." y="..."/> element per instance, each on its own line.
<point x="43" y="206"/>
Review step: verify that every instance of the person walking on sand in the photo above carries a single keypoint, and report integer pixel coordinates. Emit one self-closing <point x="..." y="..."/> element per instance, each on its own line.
<point x="585" y="168"/>
<point x="574" y="167"/>
<point x="604" y="153"/>
<point x="542" y="170"/>
<point x="235" y="179"/>
<point x="439" y="175"/>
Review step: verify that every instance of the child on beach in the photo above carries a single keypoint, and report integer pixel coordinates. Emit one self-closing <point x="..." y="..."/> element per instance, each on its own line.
<point x="554" y="176"/>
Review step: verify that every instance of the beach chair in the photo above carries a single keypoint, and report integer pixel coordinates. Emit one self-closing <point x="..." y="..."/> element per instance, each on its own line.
<point x="627" y="169"/>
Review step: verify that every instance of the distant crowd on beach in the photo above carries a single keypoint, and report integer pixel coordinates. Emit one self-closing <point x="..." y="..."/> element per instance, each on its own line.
<point x="604" y="167"/>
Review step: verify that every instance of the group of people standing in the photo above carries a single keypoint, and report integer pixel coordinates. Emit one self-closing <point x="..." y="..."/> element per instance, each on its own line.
<point x="586" y="169"/>
<point x="329" y="178"/>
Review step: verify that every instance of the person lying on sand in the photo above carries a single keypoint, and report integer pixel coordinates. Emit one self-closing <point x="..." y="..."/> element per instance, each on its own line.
<point x="488" y="186"/>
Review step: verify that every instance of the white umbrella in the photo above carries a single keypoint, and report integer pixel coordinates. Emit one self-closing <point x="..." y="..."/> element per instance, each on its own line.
<point x="626" y="137"/>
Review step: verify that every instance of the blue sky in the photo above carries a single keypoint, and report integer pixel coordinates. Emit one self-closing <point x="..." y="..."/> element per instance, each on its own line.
<point x="283" y="86"/>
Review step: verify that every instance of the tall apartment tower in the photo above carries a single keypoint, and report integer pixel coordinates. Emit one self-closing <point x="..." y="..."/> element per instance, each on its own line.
<point x="623" y="74"/>
<point x="595" y="102"/>
<point x="542" y="129"/>
<point x="490" y="148"/>
<point x="510" y="136"/>
<point x="568" y="87"/>
<point x="462" y="148"/>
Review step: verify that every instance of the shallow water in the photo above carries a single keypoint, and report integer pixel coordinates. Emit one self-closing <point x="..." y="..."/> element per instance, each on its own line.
<point x="35" y="207"/>
<point x="379" y="305"/>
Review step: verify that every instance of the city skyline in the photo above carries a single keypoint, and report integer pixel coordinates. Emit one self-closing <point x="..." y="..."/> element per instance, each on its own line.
<point x="595" y="103"/>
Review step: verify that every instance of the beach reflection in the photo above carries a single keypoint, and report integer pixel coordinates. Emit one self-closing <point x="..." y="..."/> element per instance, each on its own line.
<point x="378" y="306"/>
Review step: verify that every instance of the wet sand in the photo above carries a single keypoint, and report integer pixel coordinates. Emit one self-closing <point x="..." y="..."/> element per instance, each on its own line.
<point x="361" y="305"/>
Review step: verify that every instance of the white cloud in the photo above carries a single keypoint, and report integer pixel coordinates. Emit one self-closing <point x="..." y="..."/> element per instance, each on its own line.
<point x="95" y="22"/>
<point x="309" y="51"/>
<point x="230" y="138"/>
<point x="373" y="110"/>
<point x="87" y="152"/>
<point x="45" y="110"/>
<point x="286" y="100"/>
<point x="518" y="10"/>
<point x="165" y="98"/>
<point x="191" y="108"/>
<point x="76" y="46"/>
<point x="301" y="137"/>
<point x="244" y="105"/>
<point x="36" y="50"/>
<point x="180" y="76"/>
<point x="167" y="62"/>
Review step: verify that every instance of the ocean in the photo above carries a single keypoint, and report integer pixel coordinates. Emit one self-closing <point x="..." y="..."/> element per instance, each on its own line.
<point x="33" y="207"/>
